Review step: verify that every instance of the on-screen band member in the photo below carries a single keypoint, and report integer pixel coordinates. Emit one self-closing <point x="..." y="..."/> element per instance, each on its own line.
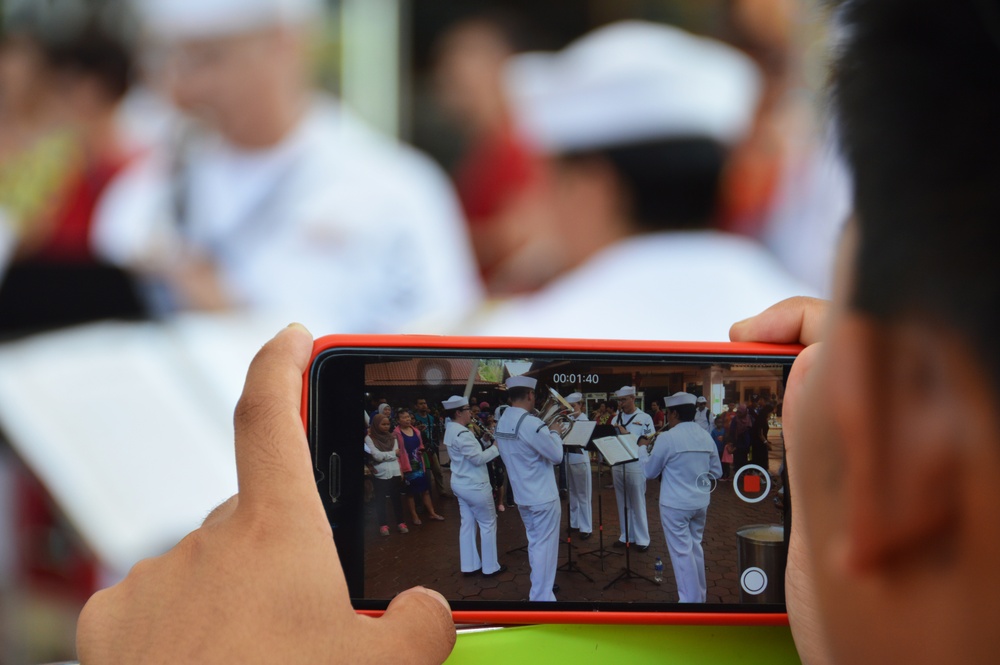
<point x="580" y="482"/>
<point x="628" y="478"/>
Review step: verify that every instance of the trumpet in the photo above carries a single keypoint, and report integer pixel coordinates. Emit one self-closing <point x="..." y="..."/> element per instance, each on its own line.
<point x="555" y="412"/>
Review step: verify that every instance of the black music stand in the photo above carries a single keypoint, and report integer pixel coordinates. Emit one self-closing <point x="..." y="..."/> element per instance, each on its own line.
<point x="601" y="552"/>
<point x="627" y="572"/>
<point x="570" y="566"/>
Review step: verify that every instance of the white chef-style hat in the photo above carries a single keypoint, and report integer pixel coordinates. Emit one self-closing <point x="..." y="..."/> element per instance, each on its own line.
<point x="573" y="398"/>
<point x="455" y="402"/>
<point x="194" y="19"/>
<point x="677" y="399"/>
<point x="521" y="382"/>
<point x="625" y="391"/>
<point x="632" y="82"/>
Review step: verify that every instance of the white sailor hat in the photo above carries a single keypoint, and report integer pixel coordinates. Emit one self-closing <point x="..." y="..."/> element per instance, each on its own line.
<point x="632" y="82"/>
<point x="625" y="391"/>
<point x="677" y="399"/>
<point x="521" y="382"/>
<point x="455" y="402"/>
<point x="573" y="398"/>
<point x="196" y="19"/>
<point x="702" y="400"/>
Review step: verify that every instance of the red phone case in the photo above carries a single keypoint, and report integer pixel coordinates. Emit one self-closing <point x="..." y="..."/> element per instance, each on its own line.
<point x="496" y="617"/>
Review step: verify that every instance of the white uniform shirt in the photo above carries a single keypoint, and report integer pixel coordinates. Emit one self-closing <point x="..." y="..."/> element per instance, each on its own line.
<point x="736" y="278"/>
<point x="686" y="456"/>
<point x="529" y="450"/>
<point x="468" y="459"/>
<point x="638" y="422"/>
<point x="336" y="226"/>
<point x="704" y="419"/>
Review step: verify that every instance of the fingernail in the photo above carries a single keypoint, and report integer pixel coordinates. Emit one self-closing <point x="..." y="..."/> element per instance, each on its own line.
<point x="430" y="592"/>
<point x="299" y="326"/>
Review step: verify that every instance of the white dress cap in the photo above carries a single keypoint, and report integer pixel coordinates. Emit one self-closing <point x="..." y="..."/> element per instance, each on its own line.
<point x="631" y="82"/>
<point x="702" y="400"/>
<point x="521" y="382"/>
<point x="197" y="19"/>
<point x="573" y="398"/>
<point x="678" y="399"/>
<point x="455" y="402"/>
<point x="625" y="391"/>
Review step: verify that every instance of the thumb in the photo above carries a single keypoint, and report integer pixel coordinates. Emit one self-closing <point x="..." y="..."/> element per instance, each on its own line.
<point x="416" y="629"/>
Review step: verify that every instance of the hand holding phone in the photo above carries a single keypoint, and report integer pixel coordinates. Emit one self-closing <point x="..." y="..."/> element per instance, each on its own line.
<point x="261" y="579"/>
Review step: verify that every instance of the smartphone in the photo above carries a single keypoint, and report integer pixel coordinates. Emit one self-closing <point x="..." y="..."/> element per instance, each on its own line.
<point x="746" y="526"/>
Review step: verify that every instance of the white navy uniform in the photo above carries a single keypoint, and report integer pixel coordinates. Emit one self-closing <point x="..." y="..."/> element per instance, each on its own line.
<point x="288" y="227"/>
<point x="580" y="488"/>
<point x="471" y="484"/>
<point x="530" y="451"/>
<point x="628" y="478"/>
<point x="704" y="419"/>
<point x="688" y="459"/>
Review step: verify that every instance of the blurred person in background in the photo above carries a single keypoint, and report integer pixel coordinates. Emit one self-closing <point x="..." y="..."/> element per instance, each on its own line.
<point x="273" y="198"/>
<point x="64" y="70"/>
<point x="637" y="119"/>
<point x="785" y="183"/>
<point x="500" y="176"/>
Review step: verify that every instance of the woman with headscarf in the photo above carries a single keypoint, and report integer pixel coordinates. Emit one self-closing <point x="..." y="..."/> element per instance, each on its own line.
<point x="739" y="438"/>
<point x="387" y="480"/>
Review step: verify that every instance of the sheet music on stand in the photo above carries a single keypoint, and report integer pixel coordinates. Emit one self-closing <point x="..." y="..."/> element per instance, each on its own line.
<point x="129" y="425"/>
<point x="618" y="449"/>
<point x="580" y="434"/>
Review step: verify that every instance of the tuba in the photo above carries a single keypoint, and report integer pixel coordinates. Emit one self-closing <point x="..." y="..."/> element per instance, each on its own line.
<point x="555" y="412"/>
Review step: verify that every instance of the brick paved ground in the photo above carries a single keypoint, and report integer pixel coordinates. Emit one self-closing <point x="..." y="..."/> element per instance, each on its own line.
<point x="428" y="555"/>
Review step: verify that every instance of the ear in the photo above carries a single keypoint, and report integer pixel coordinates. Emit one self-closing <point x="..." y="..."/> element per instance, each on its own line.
<point x="898" y="404"/>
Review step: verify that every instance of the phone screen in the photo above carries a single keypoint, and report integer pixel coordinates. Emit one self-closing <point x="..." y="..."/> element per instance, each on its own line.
<point x="741" y="536"/>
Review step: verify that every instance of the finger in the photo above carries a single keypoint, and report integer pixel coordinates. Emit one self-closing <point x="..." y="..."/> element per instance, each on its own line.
<point x="795" y="320"/>
<point x="421" y="629"/>
<point x="221" y="512"/>
<point x="272" y="454"/>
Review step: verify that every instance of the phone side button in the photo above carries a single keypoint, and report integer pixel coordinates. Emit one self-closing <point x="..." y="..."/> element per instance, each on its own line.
<point x="334" y="477"/>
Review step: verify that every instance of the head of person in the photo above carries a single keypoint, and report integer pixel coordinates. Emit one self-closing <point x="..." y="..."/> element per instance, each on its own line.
<point x="720" y="421"/>
<point x="575" y="400"/>
<point x="380" y="424"/>
<point x="421" y="406"/>
<point x="84" y="57"/>
<point x="469" y="60"/>
<point x="240" y="66"/>
<point x="457" y="408"/>
<point x="680" y="408"/>
<point x="637" y="119"/>
<point x="626" y="398"/>
<point x="521" y="391"/>
<point x="404" y="417"/>
<point x="915" y="96"/>
<point x="701" y="404"/>
<point x="385" y="410"/>
<point x="654" y="405"/>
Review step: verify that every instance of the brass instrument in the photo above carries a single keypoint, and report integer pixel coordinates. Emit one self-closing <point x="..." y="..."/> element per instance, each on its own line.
<point x="555" y="412"/>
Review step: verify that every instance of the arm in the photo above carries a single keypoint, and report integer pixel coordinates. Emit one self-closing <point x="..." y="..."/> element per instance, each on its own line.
<point x="653" y="463"/>
<point x="380" y="455"/>
<point x="466" y="446"/>
<point x="544" y="441"/>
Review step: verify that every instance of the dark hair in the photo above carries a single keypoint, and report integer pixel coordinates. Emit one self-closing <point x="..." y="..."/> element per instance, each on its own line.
<point x="98" y="54"/>
<point x="673" y="184"/>
<point x="916" y="92"/>
<point x="519" y="393"/>
<point x="451" y="413"/>
<point x="685" y="412"/>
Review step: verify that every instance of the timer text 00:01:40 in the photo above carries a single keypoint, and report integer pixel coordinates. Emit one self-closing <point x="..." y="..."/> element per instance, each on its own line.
<point x="575" y="378"/>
